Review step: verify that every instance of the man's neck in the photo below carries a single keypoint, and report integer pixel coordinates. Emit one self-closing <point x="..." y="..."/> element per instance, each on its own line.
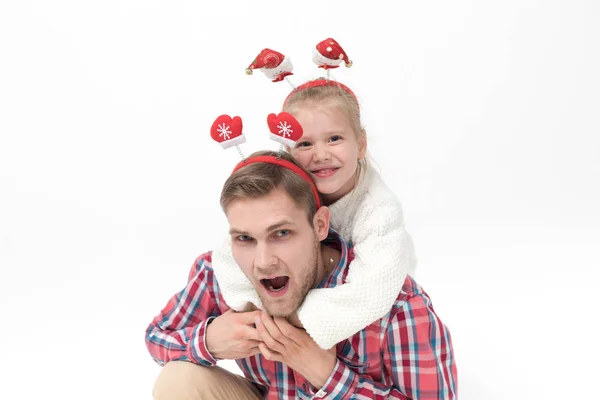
<point x="328" y="259"/>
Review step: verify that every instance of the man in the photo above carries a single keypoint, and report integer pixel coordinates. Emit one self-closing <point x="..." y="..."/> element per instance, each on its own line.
<point x="282" y="242"/>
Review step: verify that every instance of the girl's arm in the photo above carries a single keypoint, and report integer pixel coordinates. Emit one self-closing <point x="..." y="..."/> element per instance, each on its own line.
<point x="236" y="289"/>
<point x="383" y="256"/>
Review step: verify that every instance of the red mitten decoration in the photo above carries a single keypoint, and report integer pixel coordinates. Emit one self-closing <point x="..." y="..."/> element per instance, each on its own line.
<point x="227" y="131"/>
<point x="284" y="128"/>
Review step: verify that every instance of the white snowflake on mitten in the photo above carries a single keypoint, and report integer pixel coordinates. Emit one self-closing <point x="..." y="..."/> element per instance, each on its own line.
<point x="285" y="129"/>
<point x="224" y="131"/>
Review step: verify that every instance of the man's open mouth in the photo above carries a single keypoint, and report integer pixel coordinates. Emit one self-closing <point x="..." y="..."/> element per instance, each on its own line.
<point x="275" y="284"/>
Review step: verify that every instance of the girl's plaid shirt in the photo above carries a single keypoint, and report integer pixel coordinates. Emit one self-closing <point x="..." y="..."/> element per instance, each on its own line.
<point x="405" y="355"/>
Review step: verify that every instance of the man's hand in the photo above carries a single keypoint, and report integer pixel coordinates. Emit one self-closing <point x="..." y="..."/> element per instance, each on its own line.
<point x="294" y="320"/>
<point x="295" y="348"/>
<point x="232" y="336"/>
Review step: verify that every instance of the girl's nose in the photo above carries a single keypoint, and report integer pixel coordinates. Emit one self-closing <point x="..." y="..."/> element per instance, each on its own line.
<point x="321" y="153"/>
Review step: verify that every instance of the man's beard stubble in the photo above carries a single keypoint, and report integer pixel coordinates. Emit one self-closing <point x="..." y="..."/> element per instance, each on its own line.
<point x="296" y="298"/>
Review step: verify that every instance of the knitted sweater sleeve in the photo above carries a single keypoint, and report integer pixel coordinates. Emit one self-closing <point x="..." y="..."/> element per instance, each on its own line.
<point x="382" y="250"/>
<point x="236" y="289"/>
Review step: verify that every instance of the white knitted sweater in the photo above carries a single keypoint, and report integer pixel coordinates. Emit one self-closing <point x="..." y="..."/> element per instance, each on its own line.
<point x="370" y="217"/>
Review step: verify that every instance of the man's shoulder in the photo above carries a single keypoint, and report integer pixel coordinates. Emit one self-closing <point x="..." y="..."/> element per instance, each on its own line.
<point x="202" y="274"/>
<point x="202" y="263"/>
<point x="411" y="298"/>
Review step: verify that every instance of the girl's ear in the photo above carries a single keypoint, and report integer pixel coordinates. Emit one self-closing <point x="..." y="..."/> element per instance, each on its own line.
<point x="362" y="145"/>
<point x="321" y="222"/>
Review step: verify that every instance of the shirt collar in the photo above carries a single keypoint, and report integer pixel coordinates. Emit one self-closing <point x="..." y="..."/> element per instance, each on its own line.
<point x="337" y="275"/>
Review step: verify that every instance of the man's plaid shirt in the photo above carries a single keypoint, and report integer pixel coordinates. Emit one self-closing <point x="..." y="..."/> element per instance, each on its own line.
<point x="405" y="355"/>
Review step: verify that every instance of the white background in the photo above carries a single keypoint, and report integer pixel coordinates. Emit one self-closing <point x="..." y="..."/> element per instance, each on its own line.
<point x="482" y="115"/>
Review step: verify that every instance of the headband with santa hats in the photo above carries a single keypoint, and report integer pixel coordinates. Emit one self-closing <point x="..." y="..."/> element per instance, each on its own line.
<point x="328" y="54"/>
<point x="273" y="64"/>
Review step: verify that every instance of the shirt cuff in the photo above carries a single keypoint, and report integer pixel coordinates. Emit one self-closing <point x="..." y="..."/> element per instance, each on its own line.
<point x="199" y="352"/>
<point x="341" y="383"/>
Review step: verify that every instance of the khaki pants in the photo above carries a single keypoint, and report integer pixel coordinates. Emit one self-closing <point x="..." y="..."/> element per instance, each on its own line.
<point x="181" y="380"/>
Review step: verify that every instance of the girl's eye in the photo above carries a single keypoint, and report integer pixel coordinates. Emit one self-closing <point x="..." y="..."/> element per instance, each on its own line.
<point x="335" y="138"/>
<point x="302" y="144"/>
<point x="244" y="238"/>
<point x="282" y="233"/>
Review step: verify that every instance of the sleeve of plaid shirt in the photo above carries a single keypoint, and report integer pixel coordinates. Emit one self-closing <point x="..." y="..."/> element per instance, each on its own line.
<point x="179" y="331"/>
<point x="417" y="356"/>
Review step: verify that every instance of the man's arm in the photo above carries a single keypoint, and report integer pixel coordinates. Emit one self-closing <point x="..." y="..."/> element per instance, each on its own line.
<point x="179" y="331"/>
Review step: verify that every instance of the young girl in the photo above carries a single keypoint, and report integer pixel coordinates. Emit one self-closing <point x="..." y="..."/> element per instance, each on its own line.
<point x="363" y="211"/>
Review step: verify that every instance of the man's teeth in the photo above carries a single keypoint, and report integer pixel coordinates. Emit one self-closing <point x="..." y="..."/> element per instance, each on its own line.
<point x="271" y="288"/>
<point x="281" y="283"/>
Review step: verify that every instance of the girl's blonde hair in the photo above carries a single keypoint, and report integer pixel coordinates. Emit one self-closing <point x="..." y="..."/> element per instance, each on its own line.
<point x="337" y="97"/>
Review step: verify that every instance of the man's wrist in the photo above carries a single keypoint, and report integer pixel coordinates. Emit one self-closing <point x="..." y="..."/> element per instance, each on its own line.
<point x="321" y="372"/>
<point x="340" y="384"/>
<point x="200" y="351"/>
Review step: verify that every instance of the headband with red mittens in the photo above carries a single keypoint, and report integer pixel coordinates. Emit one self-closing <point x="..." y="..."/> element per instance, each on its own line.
<point x="285" y="164"/>
<point x="285" y="129"/>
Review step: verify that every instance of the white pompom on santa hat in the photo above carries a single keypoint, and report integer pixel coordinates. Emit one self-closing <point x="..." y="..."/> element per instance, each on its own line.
<point x="329" y="54"/>
<point x="273" y="64"/>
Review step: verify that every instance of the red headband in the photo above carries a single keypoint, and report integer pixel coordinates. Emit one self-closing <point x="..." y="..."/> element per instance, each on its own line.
<point x="321" y="82"/>
<point x="285" y="164"/>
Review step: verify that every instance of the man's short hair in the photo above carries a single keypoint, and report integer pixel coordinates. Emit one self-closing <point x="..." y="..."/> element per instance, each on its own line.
<point x="259" y="179"/>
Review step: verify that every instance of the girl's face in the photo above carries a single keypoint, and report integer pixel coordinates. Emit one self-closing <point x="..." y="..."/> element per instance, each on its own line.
<point x="329" y="150"/>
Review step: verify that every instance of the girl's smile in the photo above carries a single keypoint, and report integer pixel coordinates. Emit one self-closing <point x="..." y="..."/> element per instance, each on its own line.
<point x="329" y="149"/>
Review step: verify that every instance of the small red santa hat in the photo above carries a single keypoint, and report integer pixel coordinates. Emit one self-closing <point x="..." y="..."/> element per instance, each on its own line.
<point x="267" y="58"/>
<point x="332" y="54"/>
<point x="273" y="64"/>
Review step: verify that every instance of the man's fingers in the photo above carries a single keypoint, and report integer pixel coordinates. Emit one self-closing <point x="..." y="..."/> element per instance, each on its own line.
<point x="254" y="352"/>
<point x="251" y="333"/>
<point x="272" y="328"/>
<point x="267" y="338"/>
<point x="248" y="317"/>
<point x="289" y="330"/>
<point x="269" y="354"/>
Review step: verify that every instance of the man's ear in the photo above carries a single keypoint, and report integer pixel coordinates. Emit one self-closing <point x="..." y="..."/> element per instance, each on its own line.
<point x="321" y="222"/>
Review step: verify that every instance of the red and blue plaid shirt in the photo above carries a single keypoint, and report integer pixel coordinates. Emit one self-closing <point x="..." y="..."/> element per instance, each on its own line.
<point x="405" y="355"/>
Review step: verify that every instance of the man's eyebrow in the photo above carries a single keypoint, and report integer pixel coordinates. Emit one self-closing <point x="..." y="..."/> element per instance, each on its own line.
<point x="235" y="231"/>
<point x="279" y="225"/>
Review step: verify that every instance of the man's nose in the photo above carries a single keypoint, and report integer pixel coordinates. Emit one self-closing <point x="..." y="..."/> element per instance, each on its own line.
<point x="264" y="258"/>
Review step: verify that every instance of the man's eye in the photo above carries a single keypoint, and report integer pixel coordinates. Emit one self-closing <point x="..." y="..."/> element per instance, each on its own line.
<point x="282" y="233"/>
<point x="244" y="238"/>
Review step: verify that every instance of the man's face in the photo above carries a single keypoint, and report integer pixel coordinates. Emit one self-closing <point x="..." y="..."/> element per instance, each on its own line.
<point x="277" y="248"/>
